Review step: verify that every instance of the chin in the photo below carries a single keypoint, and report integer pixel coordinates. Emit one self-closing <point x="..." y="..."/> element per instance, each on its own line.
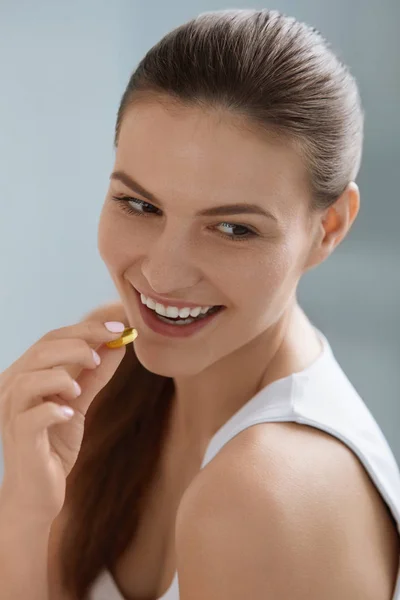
<point x="167" y="364"/>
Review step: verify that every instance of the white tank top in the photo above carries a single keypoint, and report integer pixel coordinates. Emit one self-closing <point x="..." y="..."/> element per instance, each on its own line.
<point x="320" y="396"/>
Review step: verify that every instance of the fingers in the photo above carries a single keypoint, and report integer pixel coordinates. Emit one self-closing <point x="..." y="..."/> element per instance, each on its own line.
<point x="36" y="392"/>
<point x="32" y="422"/>
<point x="93" y="381"/>
<point x="59" y="352"/>
<point x="93" y="332"/>
<point x="49" y="367"/>
<point x="71" y="345"/>
<point x="27" y="389"/>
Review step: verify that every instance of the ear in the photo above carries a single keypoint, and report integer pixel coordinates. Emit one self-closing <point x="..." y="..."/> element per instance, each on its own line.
<point x="333" y="225"/>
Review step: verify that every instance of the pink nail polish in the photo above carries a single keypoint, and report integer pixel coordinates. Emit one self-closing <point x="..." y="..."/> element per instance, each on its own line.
<point x="96" y="357"/>
<point x="114" y="326"/>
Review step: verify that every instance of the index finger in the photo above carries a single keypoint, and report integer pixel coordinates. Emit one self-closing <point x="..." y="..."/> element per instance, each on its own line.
<point x="94" y="332"/>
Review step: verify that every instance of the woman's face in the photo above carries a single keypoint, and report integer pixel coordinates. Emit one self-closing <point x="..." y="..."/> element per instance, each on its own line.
<point x="248" y="259"/>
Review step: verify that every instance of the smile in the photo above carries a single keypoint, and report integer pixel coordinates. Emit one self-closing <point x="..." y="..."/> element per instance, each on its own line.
<point x="175" y="313"/>
<point x="173" y="321"/>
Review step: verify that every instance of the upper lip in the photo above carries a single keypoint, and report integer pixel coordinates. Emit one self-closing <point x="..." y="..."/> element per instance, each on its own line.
<point x="171" y="301"/>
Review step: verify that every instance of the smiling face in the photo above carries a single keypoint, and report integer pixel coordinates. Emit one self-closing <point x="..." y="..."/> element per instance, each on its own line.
<point x="250" y="262"/>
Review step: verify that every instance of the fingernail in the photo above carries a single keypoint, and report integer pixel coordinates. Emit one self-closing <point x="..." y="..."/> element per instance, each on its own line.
<point x="77" y="388"/>
<point x="114" y="326"/>
<point x="96" y="357"/>
<point x="67" y="411"/>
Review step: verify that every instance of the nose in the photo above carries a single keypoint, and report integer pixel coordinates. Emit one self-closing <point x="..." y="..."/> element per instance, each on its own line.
<point x="169" y="266"/>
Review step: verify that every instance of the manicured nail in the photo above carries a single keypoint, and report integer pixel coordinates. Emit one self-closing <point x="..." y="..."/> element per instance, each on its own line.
<point x="77" y="388"/>
<point x="67" y="411"/>
<point x="114" y="326"/>
<point x="96" y="357"/>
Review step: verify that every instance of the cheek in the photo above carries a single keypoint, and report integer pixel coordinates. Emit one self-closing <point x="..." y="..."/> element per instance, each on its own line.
<point x="264" y="273"/>
<point x="262" y="285"/>
<point x="117" y="245"/>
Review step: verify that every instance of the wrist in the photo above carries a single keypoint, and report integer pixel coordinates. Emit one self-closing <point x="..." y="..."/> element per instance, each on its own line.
<point x="16" y="516"/>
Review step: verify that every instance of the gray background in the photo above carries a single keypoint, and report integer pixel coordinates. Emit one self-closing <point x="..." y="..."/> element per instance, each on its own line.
<point x="63" y="68"/>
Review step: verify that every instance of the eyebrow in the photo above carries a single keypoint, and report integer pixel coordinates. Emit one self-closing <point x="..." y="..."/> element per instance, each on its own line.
<point x="225" y="209"/>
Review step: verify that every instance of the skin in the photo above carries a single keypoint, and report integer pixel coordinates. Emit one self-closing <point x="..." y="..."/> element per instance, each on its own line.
<point x="302" y="484"/>
<point x="191" y="159"/>
<point x="304" y="522"/>
<point x="332" y="534"/>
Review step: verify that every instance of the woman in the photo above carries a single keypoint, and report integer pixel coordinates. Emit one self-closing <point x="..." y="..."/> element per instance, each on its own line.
<point x="228" y="448"/>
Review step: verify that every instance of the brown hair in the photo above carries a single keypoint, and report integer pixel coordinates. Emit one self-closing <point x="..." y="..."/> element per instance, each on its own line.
<point x="281" y="77"/>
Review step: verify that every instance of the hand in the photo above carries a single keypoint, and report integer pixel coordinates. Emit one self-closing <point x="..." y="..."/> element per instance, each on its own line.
<point x="41" y="442"/>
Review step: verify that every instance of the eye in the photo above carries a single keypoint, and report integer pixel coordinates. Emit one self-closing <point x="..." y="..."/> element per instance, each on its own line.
<point x="139" y="208"/>
<point x="238" y="232"/>
<point x="128" y="203"/>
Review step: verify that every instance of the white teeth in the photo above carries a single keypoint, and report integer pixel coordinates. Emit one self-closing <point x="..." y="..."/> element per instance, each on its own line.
<point x="161" y="310"/>
<point x="173" y="311"/>
<point x="151" y="304"/>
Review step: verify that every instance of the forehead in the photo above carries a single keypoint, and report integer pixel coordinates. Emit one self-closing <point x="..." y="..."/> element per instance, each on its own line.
<point x="183" y="150"/>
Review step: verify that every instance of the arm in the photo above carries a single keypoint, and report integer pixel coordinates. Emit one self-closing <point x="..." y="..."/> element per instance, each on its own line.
<point x="29" y="548"/>
<point x="275" y="519"/>
<point x="23" y="556"/>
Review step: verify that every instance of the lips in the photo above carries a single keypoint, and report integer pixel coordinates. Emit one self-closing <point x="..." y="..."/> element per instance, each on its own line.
<point x="163" y="328"/>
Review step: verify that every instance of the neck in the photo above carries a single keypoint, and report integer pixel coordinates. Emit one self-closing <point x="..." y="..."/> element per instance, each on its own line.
<point x="204" y="402"/>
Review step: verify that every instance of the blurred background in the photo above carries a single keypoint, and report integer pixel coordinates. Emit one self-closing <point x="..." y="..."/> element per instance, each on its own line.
<point x="63" y="68"/>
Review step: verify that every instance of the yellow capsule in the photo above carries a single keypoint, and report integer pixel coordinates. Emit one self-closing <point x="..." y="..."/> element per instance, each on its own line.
<point x="129" y="334"/>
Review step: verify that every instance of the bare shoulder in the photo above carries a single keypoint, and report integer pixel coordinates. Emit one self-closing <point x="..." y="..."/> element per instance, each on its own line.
<point x="308" y="494"/>
<point x="111" y="311"/>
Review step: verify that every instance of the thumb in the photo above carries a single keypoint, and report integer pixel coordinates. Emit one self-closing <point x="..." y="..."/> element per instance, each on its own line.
<point x="92" y="381"/>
